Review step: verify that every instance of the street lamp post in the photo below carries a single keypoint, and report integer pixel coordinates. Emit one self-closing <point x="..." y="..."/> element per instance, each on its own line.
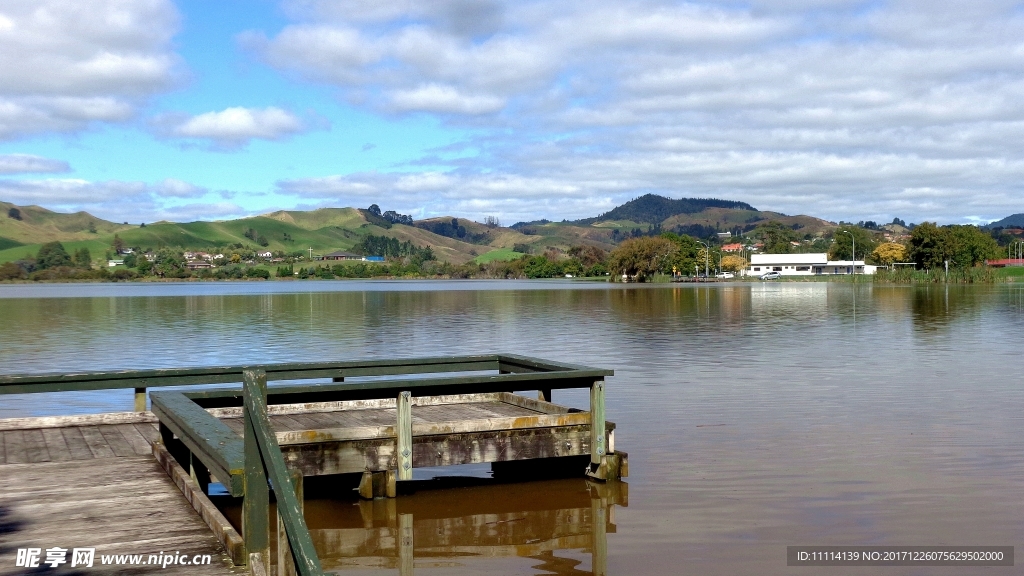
<point x="707" y="254"/>
<point x="853" y="251"/>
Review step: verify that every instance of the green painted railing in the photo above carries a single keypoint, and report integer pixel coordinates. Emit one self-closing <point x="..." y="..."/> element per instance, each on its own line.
<point x="263" y="460"/>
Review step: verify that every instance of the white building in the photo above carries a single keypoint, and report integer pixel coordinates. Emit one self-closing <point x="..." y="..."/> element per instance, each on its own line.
<point x="804" y="265"/>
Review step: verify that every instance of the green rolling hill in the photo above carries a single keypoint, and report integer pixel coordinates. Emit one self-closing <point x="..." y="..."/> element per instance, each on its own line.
<point x="23" y="229"/>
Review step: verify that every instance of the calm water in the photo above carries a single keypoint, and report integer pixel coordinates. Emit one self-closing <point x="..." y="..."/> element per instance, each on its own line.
<point x="755" y="416"/>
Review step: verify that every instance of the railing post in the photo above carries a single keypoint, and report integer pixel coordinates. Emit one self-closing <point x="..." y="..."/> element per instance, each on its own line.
<point x="140" y="399"/>
<point x="597" y="432"/>
<point x="285" y="561"/>
<point x="404" y="433"/>
<point x="256" y="502"/>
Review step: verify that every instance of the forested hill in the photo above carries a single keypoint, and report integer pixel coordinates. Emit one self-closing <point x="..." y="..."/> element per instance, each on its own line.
<point x="1014" y="221"/>
<point x="654" y="209"/>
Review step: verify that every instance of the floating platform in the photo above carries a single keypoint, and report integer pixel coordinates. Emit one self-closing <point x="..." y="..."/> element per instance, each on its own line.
<point x="358" y="436"/>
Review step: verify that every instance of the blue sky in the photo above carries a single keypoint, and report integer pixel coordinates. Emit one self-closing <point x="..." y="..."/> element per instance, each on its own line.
<point x="140" y="110"/>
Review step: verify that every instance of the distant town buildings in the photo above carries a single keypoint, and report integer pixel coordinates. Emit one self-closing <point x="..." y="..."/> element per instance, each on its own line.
<point x="805" y="265"/>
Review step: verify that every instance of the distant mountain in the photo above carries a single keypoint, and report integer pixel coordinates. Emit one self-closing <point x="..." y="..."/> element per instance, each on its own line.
<point x="1015" y="221"/>
<point x="23" y="229"/>
<point x="654" y="209"/>
<point x="34" y="224"/>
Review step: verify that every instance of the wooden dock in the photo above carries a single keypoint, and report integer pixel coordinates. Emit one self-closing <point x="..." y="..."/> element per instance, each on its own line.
<point x="123" y="475"/>
<point x="92" y="482"/>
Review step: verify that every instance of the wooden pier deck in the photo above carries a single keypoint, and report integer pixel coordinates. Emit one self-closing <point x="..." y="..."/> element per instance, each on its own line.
<point x="89" y="482"/>
<point x="93" y="482"/>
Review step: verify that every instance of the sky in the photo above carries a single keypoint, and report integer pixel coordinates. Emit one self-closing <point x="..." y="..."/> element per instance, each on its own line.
<point x="145" y="110"/>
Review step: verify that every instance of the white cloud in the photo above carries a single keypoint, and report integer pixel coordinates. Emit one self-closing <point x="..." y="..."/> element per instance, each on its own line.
<point x="236" y="126"/>
<point x="174" y="188"/>
<point x="444" y="99"/>
<point x="839" y="109"/>
<point x="120" y="201"/>
<point x="65" y="65"/>
<point x="28" y="163"/>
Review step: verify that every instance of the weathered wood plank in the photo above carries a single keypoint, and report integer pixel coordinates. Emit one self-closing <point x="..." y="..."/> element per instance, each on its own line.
<point x="56" y="445"/>
<point x="453" y="426"/>
<point x="118" y="505"/>
<point x="77" y="420"/>
<point x="77" y="445"/>
<point x="531" y="404"/>
<point x="151" y="432"/>
<point x="443" y="450"/>
<point x="304" y="422"/>
<point x="96" y="442"/>
<point x="3" y="450"/>
<point x="286" y="423"/>
<point x="138" y="442"/>
<point x="597" y="432"/>
<point x="235" y="424"/>
<point x="14" y="445"/>
<point x="116" y="441"/>
<point x="404" y="432"/>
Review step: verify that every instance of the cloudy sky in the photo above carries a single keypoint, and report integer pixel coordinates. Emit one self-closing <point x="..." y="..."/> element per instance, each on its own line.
<point x="140" y="110"/>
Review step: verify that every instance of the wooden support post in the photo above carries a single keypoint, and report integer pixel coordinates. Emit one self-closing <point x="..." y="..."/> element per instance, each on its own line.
<point x="601" y="463"/>
<point x="405" y="543"/>
<point x="597" y="432"/>
<point x="200" y="474"/>
<point x="140" y="399"/>
<point x="544" y="394"/>
<point x="377" y="485"/>
<point x="404" y="433"/>
<point x="256" y="502"/>
<point x="175" y="447"/>
<point x="166" y="436"/>
<point x="285" y="561"/>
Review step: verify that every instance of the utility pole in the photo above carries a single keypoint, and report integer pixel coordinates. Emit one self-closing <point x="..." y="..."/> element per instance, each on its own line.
<point x="707" y="254"/>
<point x="853" y="251"/>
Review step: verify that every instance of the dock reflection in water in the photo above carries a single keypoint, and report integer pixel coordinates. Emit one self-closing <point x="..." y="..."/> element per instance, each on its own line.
<point x="542" y="527"/>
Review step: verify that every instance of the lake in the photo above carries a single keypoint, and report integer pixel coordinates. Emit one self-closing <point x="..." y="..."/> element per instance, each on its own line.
<point x="755" y="415"/>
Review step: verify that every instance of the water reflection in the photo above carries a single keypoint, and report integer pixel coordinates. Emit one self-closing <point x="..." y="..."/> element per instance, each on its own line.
<point x="560" y="525"/>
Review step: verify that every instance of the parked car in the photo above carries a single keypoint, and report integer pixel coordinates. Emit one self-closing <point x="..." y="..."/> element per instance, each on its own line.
<point x="771" y="276"/>
<point x="725" y="275"/>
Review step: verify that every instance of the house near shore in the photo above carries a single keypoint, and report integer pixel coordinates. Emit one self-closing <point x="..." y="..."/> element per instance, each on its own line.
<point x="350" y="256"/>
<point x="805" y="265"/>
<point x="340" y="255"/>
